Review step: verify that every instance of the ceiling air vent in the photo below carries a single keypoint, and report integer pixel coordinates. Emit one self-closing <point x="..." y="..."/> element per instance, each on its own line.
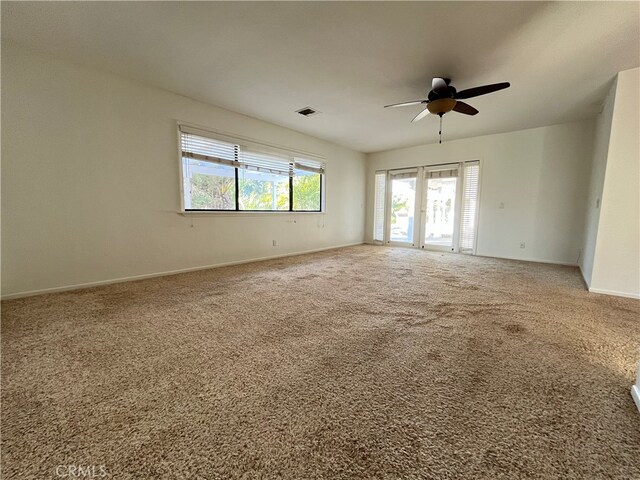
<point x="307" y="111"/>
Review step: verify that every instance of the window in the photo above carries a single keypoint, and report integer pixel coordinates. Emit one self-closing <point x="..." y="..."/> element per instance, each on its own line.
<point x="307" y="186"/>
<point x="224" y="175"/>
<point x="263" y="182"/>
<point x="263" y="191"/>
<point x="212" y="187"/>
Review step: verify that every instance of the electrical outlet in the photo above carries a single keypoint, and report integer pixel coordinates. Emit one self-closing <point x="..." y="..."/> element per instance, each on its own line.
<point x="522" y="244"/>
<point x="275" y="243"/>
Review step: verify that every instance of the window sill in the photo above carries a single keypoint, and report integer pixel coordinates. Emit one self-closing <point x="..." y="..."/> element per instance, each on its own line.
<point x="188" y="213"/>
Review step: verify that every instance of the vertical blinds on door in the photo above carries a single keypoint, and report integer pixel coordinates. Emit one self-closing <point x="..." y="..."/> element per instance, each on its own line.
<point x="471" y="171"/>
<point x="378" y="216"/>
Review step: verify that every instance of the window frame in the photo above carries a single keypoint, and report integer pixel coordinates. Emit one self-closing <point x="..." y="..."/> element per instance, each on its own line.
<point x="243" y="141"/>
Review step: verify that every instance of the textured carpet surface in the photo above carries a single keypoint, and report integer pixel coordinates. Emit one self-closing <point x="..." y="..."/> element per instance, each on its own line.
<point x="363" y="362"/>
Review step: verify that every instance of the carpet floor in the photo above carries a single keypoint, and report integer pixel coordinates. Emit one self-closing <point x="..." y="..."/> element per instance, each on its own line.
<point x="362" y="362"/>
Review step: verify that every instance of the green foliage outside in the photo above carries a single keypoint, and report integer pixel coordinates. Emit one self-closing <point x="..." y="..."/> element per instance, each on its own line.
<point x="210" y="192"/>
<point x="398" y="203"/>
<point x="306" y="192"/>
<point x="258" y="194"/>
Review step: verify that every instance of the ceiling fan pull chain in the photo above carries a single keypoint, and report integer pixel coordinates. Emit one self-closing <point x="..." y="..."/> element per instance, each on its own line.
<point x="440" y="132"/>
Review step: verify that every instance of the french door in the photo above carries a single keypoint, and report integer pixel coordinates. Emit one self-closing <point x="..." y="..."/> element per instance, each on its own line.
<point x="401" y="201"/>
<point x="431" y="207"/>
<point x="440" y="209"/>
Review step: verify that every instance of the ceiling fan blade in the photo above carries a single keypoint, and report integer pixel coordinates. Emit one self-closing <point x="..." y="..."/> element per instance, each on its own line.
<point x="421" y="115"/>
<point x="465" y="108"/>
<point x="406" y="104"/>
<point x="483" y="90"/>
<point x="439" y="85"/>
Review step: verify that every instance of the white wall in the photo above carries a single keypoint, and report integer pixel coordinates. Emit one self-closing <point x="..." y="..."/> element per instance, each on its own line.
<point x="635" y="389"/>
<point x="540" y="176"/>
<point x="90" y="182"/>
<point x="616" y="265"/>
<point x="596" y="184"/>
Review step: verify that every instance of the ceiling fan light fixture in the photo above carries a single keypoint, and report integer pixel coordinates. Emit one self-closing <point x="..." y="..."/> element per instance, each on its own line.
<point x="441" y="105"/>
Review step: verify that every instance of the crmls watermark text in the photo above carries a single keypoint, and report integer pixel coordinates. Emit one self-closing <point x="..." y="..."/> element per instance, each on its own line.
<point x="81" y="471"/>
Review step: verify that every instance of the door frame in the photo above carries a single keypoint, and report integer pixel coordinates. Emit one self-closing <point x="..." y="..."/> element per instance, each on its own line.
<point x="388" y="203"/>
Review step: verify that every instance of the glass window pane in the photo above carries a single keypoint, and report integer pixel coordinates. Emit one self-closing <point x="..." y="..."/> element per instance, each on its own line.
<point x="208" y="186"/>
<point x="440" y="211"/>
<point x="262" y="191"/>
<point x="306" y="191"/>
<point x="403" y="197"/>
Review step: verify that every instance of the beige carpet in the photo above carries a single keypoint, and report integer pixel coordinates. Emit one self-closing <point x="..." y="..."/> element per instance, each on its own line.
<point x="364" y="362"/>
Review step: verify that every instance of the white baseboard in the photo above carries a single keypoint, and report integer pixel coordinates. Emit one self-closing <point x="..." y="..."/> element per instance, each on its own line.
<point x="531" y="260"/>
<point x="607" y="292"/>
<point x="635" y="393"/>
<point x="584" y="279"/>
<point x="615" y="293"/>
<point x="99" y="283"/>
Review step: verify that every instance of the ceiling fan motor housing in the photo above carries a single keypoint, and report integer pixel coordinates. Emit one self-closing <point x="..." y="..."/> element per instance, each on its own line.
<point x="450" y="92"/>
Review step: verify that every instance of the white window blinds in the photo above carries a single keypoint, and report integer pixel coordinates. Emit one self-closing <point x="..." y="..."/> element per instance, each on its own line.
<point x="245" y="155"/>
<point x="471" y="171"/>
<point x="378" y="219"/>
<point x="441" y="173"/>
<point x="267" y="163"/>
<point x="305" y="165"/>
<point x="209" y="150"/>
<point x="399" y="174"/>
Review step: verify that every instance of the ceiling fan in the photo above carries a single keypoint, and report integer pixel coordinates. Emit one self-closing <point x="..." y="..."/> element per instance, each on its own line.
<point x="444" y="98"/>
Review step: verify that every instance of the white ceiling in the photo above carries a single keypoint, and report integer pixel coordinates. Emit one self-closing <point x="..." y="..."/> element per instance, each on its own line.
<point x="348" y="59"/>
